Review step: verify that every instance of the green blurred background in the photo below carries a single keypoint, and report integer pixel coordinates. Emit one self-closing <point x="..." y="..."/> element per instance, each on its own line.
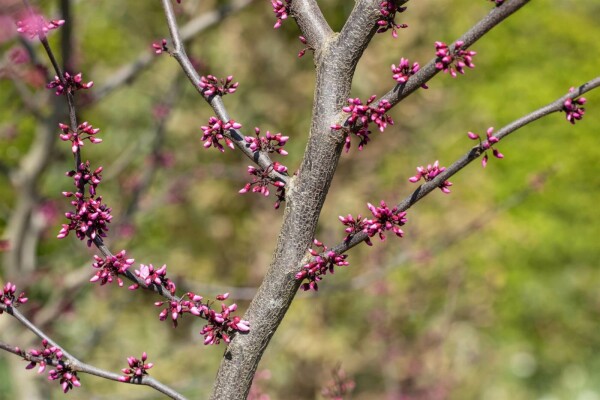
<point x="492" y="294"/>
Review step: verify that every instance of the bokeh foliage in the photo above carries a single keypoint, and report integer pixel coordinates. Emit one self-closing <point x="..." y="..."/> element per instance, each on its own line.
<point x="492" y="294"/>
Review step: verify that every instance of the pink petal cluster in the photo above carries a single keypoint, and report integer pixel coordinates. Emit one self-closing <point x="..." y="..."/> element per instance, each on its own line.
<point x="261" y="180"/>
<point x="313" y="271"/>
<point x="388" y="10"/>
<point x="111" y="267"/>
<point x="385" y="219"/>
<point x="404" y="71"/>
<point x="152" y="276"/>
<point x="210" y="85"/>
<point x="137" y="369"/>
<point x="8" y="297"/>
<point x="573" y="109"/>
<point x="269" y="143"/>
<point x="281" y="8"/>
<point x="67" y="378"/>
<point x="63" y="373"/>
<point x="214" y="132"/>
<point x="160" y="47"/>
<point x="77" y="138"/>
<point x="360" y="117"/>
<point x="46" y="353"/>
<point x="429" y="173"/>
<point x="35" y="25"/>
<point x="220" y="326"/>
<point x="453" y="61"/>
<point x="69" y="83"/>
<point x="488" y="144"/>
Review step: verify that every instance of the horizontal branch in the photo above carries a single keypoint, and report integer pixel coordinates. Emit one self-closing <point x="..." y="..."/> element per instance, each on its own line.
<point x="473" y="154"/>
<point x="73" y="363"/>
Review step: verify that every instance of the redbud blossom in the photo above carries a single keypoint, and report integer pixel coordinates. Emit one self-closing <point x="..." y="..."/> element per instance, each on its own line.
<point x="67" y="378"/>
<point x="453" y="61"/>
<point x="314" y="271"/>
<point x="573" y="109"/>
<point x="53" y="354"/>
<point x="385" y="220"/>
<point x="281" y="8"/>
<point x="210" y="85"/>
<point x="137" y="369"/>
<point x="8" y="298"/>
<point x="215" y="131"/>
<point x="429" y="173"/>
<point x="78" y="137"/>
<point x="160" y="47"/>
<point x="388" y="10"/>
<point x="491" y="140"/>
<point x="360" y="117"/>
<point x="308" y="47"/>
<point x="340" y="386"/>
<point x="355" y="226"/>
<point x="498" y="2"/>
<point x="269" y="143"/>
<point x="111" y="267"/>
<point x="69" y="83"/>
<point x="261" y="180"/>
<point x="35" y="25"/>
<point x="151" y="276"/>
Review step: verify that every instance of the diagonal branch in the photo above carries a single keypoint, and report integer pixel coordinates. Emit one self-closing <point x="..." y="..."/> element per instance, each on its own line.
<point x="496" y="16"/>
<point x="216" y="102"/>
<point x="73" y="363"/>
<point x="131" y="71"/>
<point x="473" y="154"/>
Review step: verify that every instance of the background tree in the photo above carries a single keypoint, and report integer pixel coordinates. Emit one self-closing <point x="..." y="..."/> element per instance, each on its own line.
<point x="454" y="329"/>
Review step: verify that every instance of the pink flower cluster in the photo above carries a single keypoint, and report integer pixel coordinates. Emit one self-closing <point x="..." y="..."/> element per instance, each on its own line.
<point x="210" y="85"/>
<point x="214" y="132"/>
<point x="77" y="138"/>
<point x="151" y="276"/>
<point x="91" y="217"/>
<point x="281" y="8"/>
<point x="314" y="270"/>
<point x="269" y="143"/>
<point x="69" y="83"/>
<point x="360" y="117"/>
<point x="220" y="326"/>
<point x="388" y="10"/>
<point x="68" y="378"/>
<point x="491" y="140"/>
<point x="498" y="2"/>
<point x="47" y="353"/>
<point x="160" y="47"/>
<point x="453" y="61"/>
<point x="137" y="369"/>
<point x="383" y="219"/>
<point x="429" y="173"/>
<point x="35" y="25"/>
<point x="261" y="180"/>
<point x="111" y="267"/>
<point x="404" y="71"/>
<point x="8" y="298"/>
<point x="573" y="109"/>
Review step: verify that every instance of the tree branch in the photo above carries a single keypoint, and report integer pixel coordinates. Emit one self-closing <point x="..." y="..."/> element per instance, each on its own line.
<point x="497" y="15"/>
<point x="131" y="71"/>
<point x="473" y="154"/>
<point x="73" y="363"/>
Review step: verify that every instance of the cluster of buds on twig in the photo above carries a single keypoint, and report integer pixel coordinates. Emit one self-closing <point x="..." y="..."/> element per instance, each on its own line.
<point x="453" y="61"/>
<point x="321" y="264"/>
